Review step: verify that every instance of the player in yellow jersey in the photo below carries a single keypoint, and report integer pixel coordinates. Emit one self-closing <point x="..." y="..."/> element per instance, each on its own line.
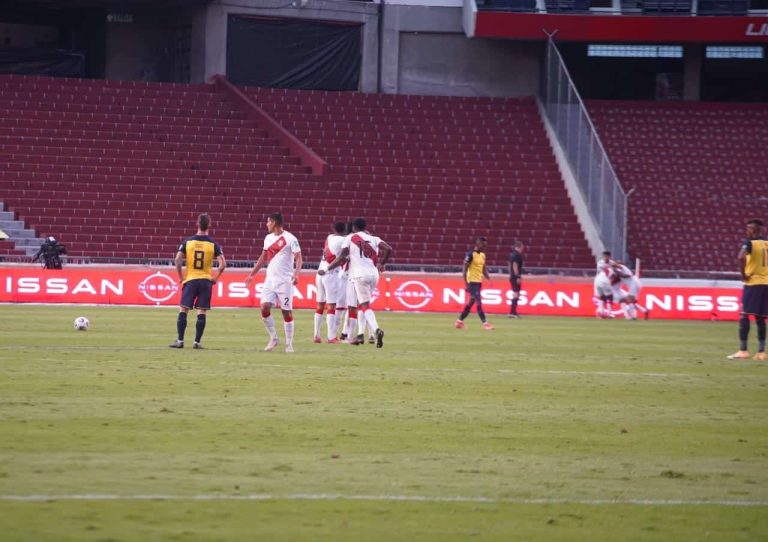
<point x="753" y="265"/>
<point x="474" y="272"/>
<point x="200" y="251"/>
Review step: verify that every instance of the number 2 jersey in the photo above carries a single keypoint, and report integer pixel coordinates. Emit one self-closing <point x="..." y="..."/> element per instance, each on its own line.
<point x="200" y="252"/>
<point x="363" y="254"/>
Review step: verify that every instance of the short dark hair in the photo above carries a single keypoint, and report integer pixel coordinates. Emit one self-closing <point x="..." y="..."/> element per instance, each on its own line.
<point x="359" y="224"/>
<point x="339" y="227"/>
<point x="480" y="239"/>
<point x="519" y="244"/>
<point x="203" y="221"/>
<point x="756" y="222"/>
<point x="277" y="217"/>
<point x="606" y="253"/>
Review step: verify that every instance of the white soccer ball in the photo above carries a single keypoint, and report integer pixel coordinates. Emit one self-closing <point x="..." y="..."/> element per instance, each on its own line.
<point x="81" y="323"/>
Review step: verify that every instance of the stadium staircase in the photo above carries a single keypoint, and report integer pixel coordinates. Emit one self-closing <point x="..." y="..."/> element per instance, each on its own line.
<point x="699" y="172"/>
<point x="121" y="169"/>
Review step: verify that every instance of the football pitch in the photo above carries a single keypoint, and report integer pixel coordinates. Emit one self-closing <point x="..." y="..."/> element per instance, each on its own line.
<point x="555" y="429"/>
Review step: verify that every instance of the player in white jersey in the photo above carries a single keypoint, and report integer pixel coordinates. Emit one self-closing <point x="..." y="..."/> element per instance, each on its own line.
<point x="282" y="255"/>
<point x="624" y="277"/>
<point x="330" y="290"/>
<point x="366" y="255"/>
<point x="603" y="295"/>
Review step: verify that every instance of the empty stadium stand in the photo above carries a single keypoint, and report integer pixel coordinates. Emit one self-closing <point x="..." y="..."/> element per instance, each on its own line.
<point x="121" y="169"/>
<point x="699" y="172"/>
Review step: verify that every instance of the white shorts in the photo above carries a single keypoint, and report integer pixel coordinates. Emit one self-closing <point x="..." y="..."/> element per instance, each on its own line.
<point x="364" y="287"/>
<point x="603" y="288"/>
<point x="351" y="297"/>
<point x="331" y="290"/>
<point x="280" y="295"/>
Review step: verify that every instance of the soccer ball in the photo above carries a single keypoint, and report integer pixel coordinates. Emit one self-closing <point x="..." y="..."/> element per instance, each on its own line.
<point x="81" y="323"/>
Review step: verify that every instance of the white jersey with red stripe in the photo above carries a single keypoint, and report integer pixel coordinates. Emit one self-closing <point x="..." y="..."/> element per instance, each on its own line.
<point x="363" y="254"/>
<point x="331" y="249"/>
<point x="280" y="250"/>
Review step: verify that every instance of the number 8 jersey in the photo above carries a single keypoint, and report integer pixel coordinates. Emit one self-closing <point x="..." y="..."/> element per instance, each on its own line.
<point x="200" y="251"/>
<point x="363" y="254"/>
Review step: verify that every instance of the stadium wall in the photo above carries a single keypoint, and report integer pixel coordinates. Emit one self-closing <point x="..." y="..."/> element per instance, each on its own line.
<point x="406" y="49"/>
<point x="411" y="292"/>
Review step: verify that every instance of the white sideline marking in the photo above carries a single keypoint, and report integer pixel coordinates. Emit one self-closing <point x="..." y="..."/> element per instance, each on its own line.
<point x="399" y="498"/>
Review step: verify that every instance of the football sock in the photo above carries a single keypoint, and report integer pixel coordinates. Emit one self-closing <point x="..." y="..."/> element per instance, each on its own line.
<point x="181" y="325"/>
<point x="465" y="312"/>
<point x="330" y="322"/>
<point x="199" y="327"/>
<point x="743" y="331"/>
<point x="760" y="321"/>
<point x="513" y="307"/>
<point x="480" y="312"/>
<point x="288" y="331"/>
<point x="269" y="323"/>
<point x="370" y="318"/>
<point x="341" y="323"/>
<point x="318" y="320"/>
<point x="361" y="321"/>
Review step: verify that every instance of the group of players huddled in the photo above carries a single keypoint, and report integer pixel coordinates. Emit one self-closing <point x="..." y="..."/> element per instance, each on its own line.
<point x="616" y="285"/>
<point x="346" y="279"/>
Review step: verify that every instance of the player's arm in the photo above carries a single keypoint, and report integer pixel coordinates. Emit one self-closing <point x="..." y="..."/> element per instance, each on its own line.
<point x="222" y="266"/>
<point x="742" y="260"/>
<point x="177" y="261"/>
<point x="256" y="267"/>
<point x="298" y="261"/>
<point x="338" y="260"/>
<point x="385" y="252"/>
<point x="515" y="269"/>
<point x="485" y="273"/>
<point x="464" y="272"/>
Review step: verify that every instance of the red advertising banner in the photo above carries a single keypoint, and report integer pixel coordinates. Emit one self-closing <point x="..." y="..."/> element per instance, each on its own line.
<point x="397" y="291"/>
<point x="622" y="28"/>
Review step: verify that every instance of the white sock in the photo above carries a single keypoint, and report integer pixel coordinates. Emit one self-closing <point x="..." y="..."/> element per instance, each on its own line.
<point x="361" y="322"/>
<point x="288" y="332"/>
<point x="351" y="326"/>
<point x="341" y="323"/>
<point x="318" y="320"/>
<point x="269" y="323"/>
<point x="330" y="321"/>
<point x="625" y="310"/>
<point x="370" y="317"/>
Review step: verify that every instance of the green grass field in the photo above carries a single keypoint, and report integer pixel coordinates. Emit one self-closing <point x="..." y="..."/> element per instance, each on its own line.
<point x="555" y="429"/>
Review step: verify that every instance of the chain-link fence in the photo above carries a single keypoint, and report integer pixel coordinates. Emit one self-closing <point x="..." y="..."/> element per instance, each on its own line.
<point x="602" y="192"/>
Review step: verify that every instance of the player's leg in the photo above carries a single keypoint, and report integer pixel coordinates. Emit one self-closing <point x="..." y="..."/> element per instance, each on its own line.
<point x="480" y="310"/>
<point x="760" y="322"/>
<point x="332" y="285"/>
<point x="322" y="298"/>
<point x="364" y="287"/>
<point x="750" y="304"/>
<point x="468" y="306"/>
<point x="188" y="295"/>
<point x="516" y="287"/>
<point x="202" y="304"/>
<point x="370" y="315"/>
<point x="268" y="300"/>
<point x="285" y="298"/>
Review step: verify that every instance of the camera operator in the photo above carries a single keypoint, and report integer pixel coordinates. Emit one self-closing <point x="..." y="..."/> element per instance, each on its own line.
<point x="51" y="251"/>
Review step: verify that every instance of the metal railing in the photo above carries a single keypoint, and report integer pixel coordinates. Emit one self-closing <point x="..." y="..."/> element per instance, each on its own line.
<point x="605" y="199"/>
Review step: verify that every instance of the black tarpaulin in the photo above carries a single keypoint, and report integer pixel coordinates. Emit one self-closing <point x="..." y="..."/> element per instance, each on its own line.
<point x="293" y="53"/>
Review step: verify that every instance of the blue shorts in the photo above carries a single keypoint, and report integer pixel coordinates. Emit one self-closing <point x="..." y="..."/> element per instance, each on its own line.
<point x="196" y="294"/>
<point x="473" y="289"/>
<point x="754" y="300"/>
